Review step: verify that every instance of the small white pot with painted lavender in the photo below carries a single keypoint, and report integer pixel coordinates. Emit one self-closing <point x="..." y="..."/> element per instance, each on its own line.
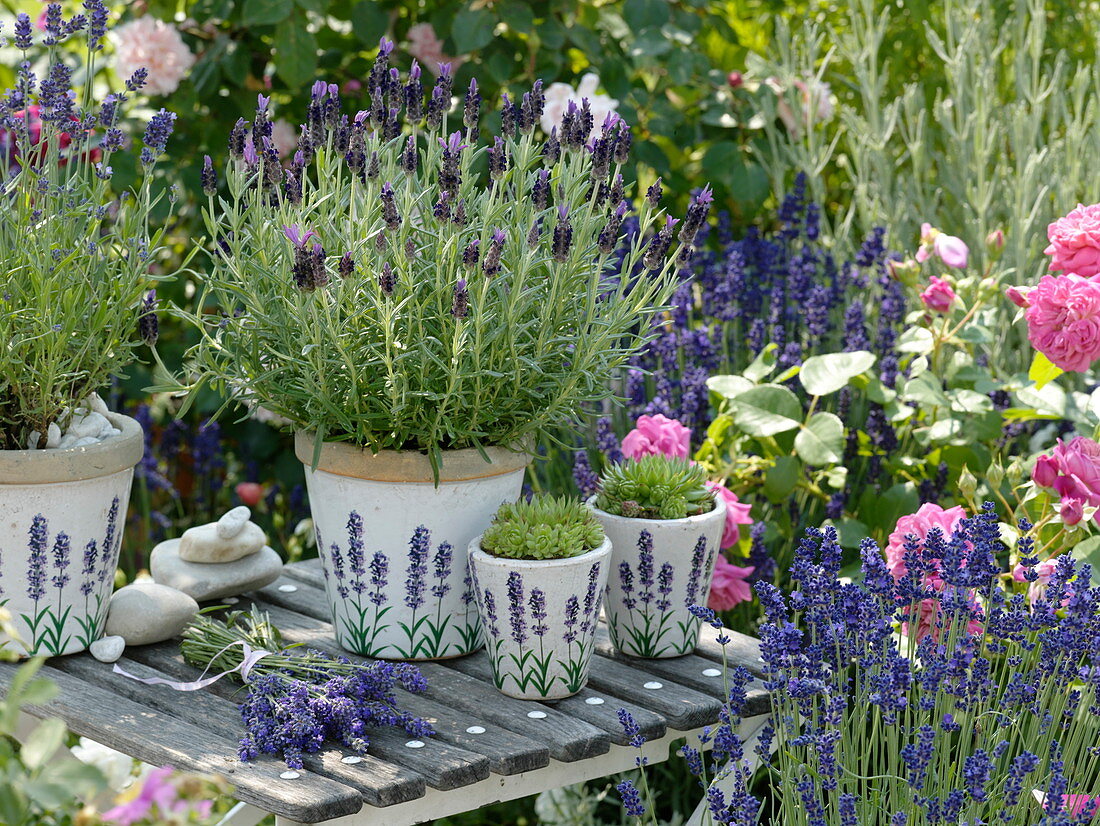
<point x="659" y="569"/>
<point x="62" y="513"/>
<point x="392" y="543"/>
<point x="539" y="618"/>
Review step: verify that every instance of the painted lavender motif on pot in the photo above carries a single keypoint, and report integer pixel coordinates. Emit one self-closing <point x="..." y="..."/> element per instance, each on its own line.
<point x="539" y="618"/>
<point x="387" y="534"/>
<point x="660" y="568"/>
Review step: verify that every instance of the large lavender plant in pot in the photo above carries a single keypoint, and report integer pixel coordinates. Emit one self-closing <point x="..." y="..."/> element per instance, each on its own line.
<point x="422" y="308"/>
<point x="75" y="306"/>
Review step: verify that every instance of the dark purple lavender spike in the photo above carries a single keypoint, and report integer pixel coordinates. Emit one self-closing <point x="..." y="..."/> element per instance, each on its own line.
<point x="88" y="570"/>
<point x="415" y="581"/>
<point x="356" y="560"/>
<point x="460" y="306"/>
<point x="691" y="597"/>
<point x="516" y="614"/>
<point x="572" y="609"/>
<point x="645" y="567"/>
<point x="338" y="572"/>
<point x="592" y="598"/>
<point x="490" y="613"/>
<point x="148" y="325"/>
<point x="563" y="236"/>
<point x="442" y="569"/>
<point x="537" y="604"/>
<point x="626" y="584"/>
<point x="664" y="586"/>
<point x="36" y="558"/>
<point x="61" y="550"/>
<point x="379" y="569"/>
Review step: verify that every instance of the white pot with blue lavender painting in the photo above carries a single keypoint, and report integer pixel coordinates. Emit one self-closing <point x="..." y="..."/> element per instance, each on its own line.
<point x="665" y="525"/>
<point x="539" y="574"/>
<point x="393" y="543"/>
<point x="62" y="511"/>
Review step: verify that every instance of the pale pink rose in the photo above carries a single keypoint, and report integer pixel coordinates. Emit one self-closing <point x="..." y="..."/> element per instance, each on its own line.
<point x="1075" y="242"/>
<point x="156" y="46"/>
<point x="657" y="436"/>
<point x="1037" y="589"/>
<point x="1063" y="320"/>
<point x="1078" y="804"/>
<point x="928" y="516"/>
<point x="951" y="250"/>
<point x="737" y="514"/>
<point x="1018" y="295"/>
<point x="559" y="95"/>
<point x="426" y="47"/>
<point x="729" y="585"/>
<point x="938" y="296"/>
<point x="284" y="136"/>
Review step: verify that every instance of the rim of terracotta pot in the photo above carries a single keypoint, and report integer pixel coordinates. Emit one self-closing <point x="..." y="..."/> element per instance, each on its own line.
<point x="476" y="552"/>
<point x="719" y="507"/>
<point x="348" y="459"/>
<point x="39" y="467"/>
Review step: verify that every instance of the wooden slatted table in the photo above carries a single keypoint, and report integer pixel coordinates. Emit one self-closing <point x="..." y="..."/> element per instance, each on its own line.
<point x="487" y="748"/>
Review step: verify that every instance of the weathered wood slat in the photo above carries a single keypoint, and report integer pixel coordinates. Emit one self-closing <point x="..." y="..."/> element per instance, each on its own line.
<point x="442" y="765"/>
<point x="566" y="737"/>
<point x="683" y="708"/>
<point x="380" y="783"/>
<point x="161" y="739"/>
<point x="604" y="716"/>
<point x="508" y="752"/>
<point x="740" y="650"/>
<point x="692" y="671"/>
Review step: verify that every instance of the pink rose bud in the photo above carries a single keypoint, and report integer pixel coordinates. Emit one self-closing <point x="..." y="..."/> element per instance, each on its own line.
<point x="951" y="250"/>
<point x="1045" y="472"/>
<point x="735" y="79"/>
<point x="1018" y="296"/>
<point x="938" y="296"/>
<point x="250" y="493"/>
<point x="1072" y="511"/>
<point x="996" y="240"/>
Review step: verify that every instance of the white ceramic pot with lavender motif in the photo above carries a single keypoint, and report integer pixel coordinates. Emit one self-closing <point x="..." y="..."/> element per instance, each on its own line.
<point x="393" y="543"/>
<point x="659" y="569"/>
<point x="539" y="618"/>
<point x="62" y="513"/>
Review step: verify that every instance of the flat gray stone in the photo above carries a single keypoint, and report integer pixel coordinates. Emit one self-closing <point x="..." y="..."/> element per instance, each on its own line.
<point x="108" y="649"/>
<point x="148" y="612"/>
<point x="204" y="544"/>
<point x="206" y="581"/>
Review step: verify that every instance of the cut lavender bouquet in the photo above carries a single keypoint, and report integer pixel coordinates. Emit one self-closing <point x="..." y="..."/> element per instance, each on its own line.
<point x="75" y="307"/>
<point x="422" y="309"/>
<point x="299" y="698"/>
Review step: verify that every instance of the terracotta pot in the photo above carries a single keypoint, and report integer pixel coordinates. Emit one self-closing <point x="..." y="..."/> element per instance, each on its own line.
<point x="660" y="568"/>
<point x="61" y="518"/>
<point x="393" y="544"/>
<point x="539" y="617"/>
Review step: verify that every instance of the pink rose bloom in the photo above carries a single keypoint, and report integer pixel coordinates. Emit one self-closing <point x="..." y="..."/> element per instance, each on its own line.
<point x="156" y="791"/>
<point x="657" y="436"/>
<point x="737" y="514"/>
<point x="927" y="517"/>
<point x="1077" y="804"/>
<point x="1075" y="242"/>
<point x="154" y="45"/>
<point x="1037" y="589"/>
<point x="426" y="47"/>
<point x="729" y="585"/>
<point x="1063" y="320"/>
<point x="938" y="297"/>
<point x="929" y="614"/>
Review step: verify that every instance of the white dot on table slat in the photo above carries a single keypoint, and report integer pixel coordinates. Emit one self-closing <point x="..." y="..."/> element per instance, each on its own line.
<point x="415" y="744"/>
<point x="288" y="589"/>
<point x="351" y="759"/>
<point x="475" y="730"/>
<point x="595" y="701"/>
<point x="712" y="672"/>
<point x="536" y="715"/>
<point x="653" y="685"/>
<point x="291" y="775"/>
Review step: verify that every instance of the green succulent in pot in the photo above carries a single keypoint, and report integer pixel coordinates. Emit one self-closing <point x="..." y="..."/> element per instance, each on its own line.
<point x="543" y="528"/>
<point x="655" y="487"/>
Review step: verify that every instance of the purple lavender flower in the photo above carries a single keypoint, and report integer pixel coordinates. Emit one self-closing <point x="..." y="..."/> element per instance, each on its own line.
<point x="148" y="326"/>
<point x="61" y="548"/>
<point x="23" y="39"/>
<point x="653" y="194"/>
<point x="157" y="132"/>
<point x="356" y="561"/>
<point x="626" y="584"/>
<point x="415" y="583"/>
<point x="36" y="558"/>
<point x="442" y="565"/>
<point x="609" y="235"/>
<point x="387" y="279"/>
<point x="563" y="236"/>
<point x="379" y="569"/>
<point x="461" y="303"/>
<point x="336" y="557"/>
<point x="696" y="572"/>
<point x="664" y="586"/>
<point x="645" y="566"/>
<point x="389" y="208"/>
<point x="551" y="150"/>
<point x="572" y="608"/>
<point x="490" y="265"/>
<point x="537" y="604"/>
<point x="498" y="159"/>
<point x="490" y="613"/>
<point x="516" y="614"/>
<point x="657" y="249"/>
<point x="585" y="478"/>
<point x="91" y="556"/>
<point x="450" y="176"/>
<point x="472" y="107"/>
<point x="632" y="798"/>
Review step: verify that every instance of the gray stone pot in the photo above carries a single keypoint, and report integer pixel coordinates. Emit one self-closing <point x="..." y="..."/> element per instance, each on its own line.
<point x="61" y="518"/>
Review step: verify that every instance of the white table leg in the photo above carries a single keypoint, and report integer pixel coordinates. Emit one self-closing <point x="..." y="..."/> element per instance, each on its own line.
<point x="243" y="814"/>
